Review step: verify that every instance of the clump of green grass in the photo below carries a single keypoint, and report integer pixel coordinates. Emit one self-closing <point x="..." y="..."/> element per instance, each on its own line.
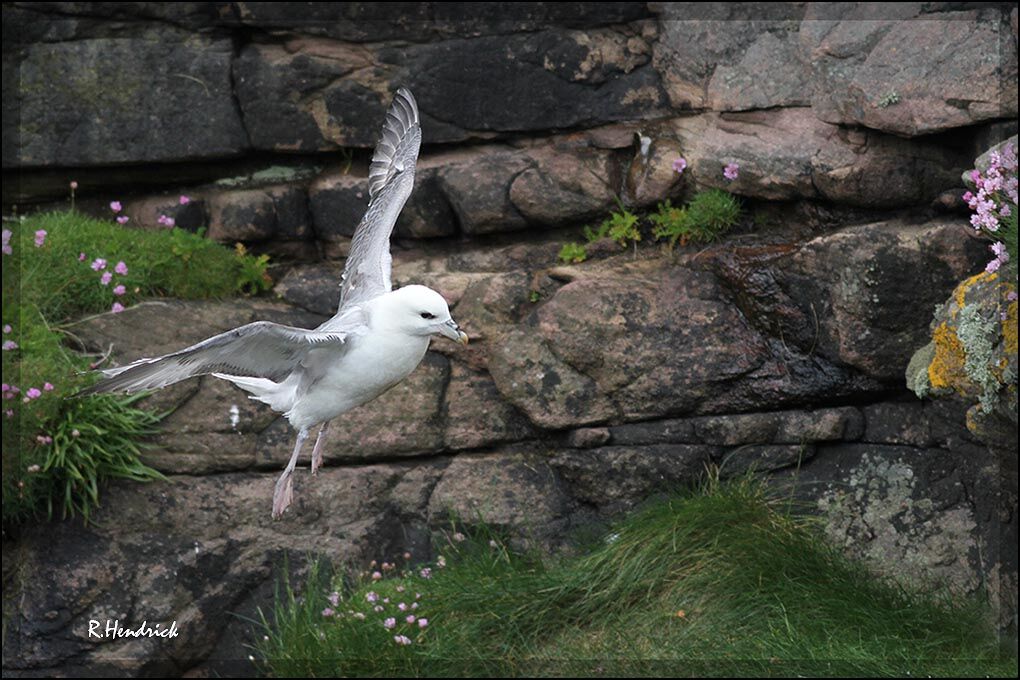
<point x="708" y="216"/>
<point x="57" y="452"/>
<point x="167" y="262"/>
<point x="722" y="582"/>
<point x="622" y="226"/>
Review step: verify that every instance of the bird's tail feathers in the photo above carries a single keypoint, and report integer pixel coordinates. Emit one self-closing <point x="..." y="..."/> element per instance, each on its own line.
<point x="262" y="389"/>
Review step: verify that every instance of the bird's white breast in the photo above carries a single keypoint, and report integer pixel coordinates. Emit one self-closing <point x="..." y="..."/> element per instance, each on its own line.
<point x="373" y="364"/>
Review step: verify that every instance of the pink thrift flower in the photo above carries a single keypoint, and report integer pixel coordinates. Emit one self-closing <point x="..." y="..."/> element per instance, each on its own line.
<point x="74" y="184"/>
<point x="119" y="290"/>
<point x="414" y="605"/>
<point x="5" y="388"/>
<point x="378" y="608"/>
<point x="123" y="219"/>
<point x="410" y="618"/>
<point x="48" y="387"/>
<point x="40" y="238"/>
<point x="7" y="329"/>
<point x="993" y="266"/>
<point x="402" y="640"/>
<point x="98" y="264"/>
<point x="328" y="612"/>
<point x="43" y="439"/>
<point x="402" y="607"/>
<point x="9" y="413"/>
<point x="121" y="268"/>
<point x="422" y="623"/>
<point x="376" y="575"/>
<point x="334" y="598"/>
<point x="679" y="165"/>
<point x="33" y="393"/>
<point x="166" y="221"/>
<point x="390" y="622"/>
<point x="75" y="433"/>
<point x="115" y="206"/>
<point x="185" y="200"/>
<point x="730" y="171"/>
<point x="425" y="573"/>
<point x="117" y="308"/>
<point x="106" y="278"/>
<point x="33" y="468"/>
<point x="7" y="241"/>
<point x="9" y="345"/>
<point x="81" y="257"/>
<point x="441" y="561"/>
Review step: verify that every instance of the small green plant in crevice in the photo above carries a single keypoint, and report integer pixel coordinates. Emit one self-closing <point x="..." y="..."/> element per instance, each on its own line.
<point x="621" y="226"/>
<point x="723" y="581"/>
<point x="708" y="216"/>
<point x="573" y="253"/>
<point x="58" y="267"/>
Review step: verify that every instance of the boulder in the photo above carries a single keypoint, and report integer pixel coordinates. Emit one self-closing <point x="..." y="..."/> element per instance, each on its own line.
<point x="858" y="297"/>
<point x="655" y="339"/>
<point x="909" y="73"/>
<point x="515" y="491"/>
<point x="788" y="154"/>
<point x="92" y="102"/>
<point x="712" y="57"/>
<point x="247" y="215"/>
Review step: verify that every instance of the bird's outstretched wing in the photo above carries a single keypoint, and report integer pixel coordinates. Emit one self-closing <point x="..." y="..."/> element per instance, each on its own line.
<point x="390" y="181"/>
<point x="261" y="349"/>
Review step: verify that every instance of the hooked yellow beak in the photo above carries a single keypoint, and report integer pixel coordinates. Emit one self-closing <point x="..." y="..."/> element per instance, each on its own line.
<point x="451" y="330"/>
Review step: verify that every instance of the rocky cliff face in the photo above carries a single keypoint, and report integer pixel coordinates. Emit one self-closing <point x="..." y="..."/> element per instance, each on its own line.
<point x="586" y="388"/>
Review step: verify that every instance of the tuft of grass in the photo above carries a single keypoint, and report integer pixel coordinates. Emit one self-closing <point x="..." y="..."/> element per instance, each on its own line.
<point x="719" y="582"/>
<point x="58" y="452"/>
<point x="708" y="216"/>
<point x="163" y="263"/>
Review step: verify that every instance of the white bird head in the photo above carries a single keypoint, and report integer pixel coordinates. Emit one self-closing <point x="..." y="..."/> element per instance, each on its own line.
<point x="416" y="310"/>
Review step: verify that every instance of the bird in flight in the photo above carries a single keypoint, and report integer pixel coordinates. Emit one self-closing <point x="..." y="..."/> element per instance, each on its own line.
<point x="376" y="338"/>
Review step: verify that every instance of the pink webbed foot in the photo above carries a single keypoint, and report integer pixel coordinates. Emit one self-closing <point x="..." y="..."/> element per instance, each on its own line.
<point x="284" y="493"/>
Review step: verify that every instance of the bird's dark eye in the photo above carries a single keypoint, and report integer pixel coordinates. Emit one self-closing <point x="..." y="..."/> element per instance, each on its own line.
<point x="426" y="315"/>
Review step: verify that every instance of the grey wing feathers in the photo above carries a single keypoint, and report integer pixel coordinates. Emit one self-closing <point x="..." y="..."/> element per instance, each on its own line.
<point x="261" y="349"/>
<point x="401" y="117"/>
<point x="391" y="180"/>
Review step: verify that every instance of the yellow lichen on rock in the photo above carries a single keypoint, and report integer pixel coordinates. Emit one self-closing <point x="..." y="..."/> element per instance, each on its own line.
<point x="1009" y="328"/>
<point x="946" y="370"/>
<point x="960" y="293"/>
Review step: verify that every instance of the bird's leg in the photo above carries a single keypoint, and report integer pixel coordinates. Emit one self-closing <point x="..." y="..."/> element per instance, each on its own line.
<point x="317" y="450"/>
<point x="285" y="484"/>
